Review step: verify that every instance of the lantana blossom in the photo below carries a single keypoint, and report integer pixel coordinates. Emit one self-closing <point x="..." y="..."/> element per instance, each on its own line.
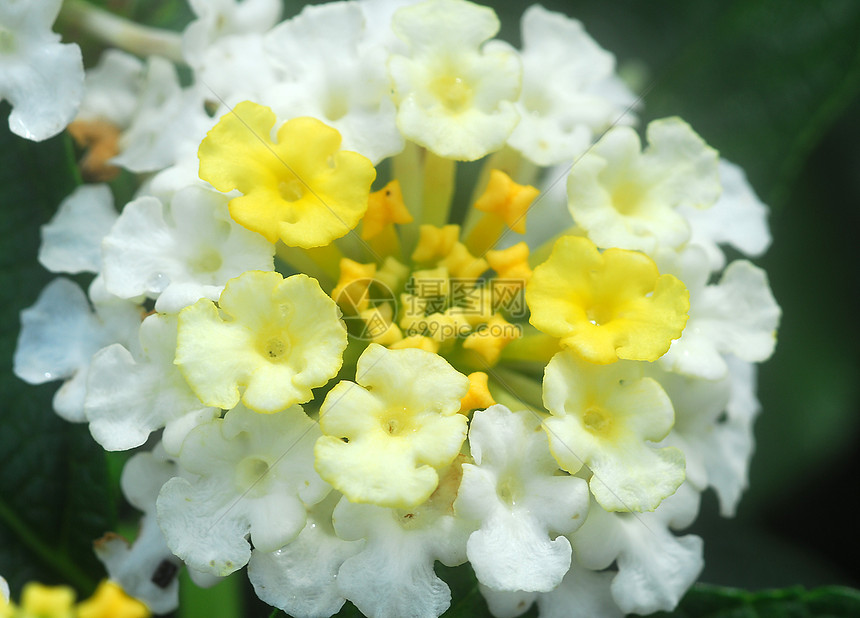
<point x="257" y="473"/>
<point x="627" y="197"/>
<point x="611" y="420"/>
<point x="301" y="189"/>
<point x="455" y="91"/>
<point x="181" y="252"/>
<point x="42" y="78"/>
<point x="608" y="305"/>
<point x="388" y="433"/>
<point x="269" y="342"/>
<point x="520" y="544"/>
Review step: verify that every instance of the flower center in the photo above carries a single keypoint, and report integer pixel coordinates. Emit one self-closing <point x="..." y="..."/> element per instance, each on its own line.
<point x="599" y="315"/>
<point x="509" y="490"/>
<point x="454" y="93"/>
<point x="627" y="198"/>
<point x="396" y="421"/>
<point x="275" y="348"/>
<point x="206" y="261"/>
<point x="596" y="420"/>
<point x="335" y="107"/>
<point x="252" y="476"/>
<point x="292" y="190"/>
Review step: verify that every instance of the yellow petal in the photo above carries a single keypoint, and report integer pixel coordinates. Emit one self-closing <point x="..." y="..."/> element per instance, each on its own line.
<point x="606" y="306"/>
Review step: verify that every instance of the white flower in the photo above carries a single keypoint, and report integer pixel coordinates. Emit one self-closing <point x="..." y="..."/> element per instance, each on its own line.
<point x="582" y="594"/>
<point x="59" y="335"/>
<point x="738" y="315"/>
<point x="254" y="475"/>
<point x="146" y="569"/>
<point x="655" y="568"/>
<point x="236" y="68"/>
<point x="608" y="418"/>
<point x="301" y="577"/>
<point x="335" y="73"/>
<point x="129" y="398"/>
<point x="570" y="90"/>
<point x="111" y="88"/>
<point x="168" y="121"/>
<point x="181" y="254"/>
<point x="392" y="576"/>
<point x="72" y="239"/>
<point x="629" y="198"/>
<point x="522" y="506"/>
<point x="219" y="19"/>
<point x="738" y="219"/>
<point x="713" y="427"/>
<point x="454" y="90"/>
<point x="42" y="78"/>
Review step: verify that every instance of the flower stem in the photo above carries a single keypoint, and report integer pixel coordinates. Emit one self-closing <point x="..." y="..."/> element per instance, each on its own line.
<point x="119" y="32"/>
<point x="439" y="178"/>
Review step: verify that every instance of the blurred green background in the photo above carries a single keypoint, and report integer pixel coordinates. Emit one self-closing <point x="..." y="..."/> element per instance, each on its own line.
<point x="772" y="84"/>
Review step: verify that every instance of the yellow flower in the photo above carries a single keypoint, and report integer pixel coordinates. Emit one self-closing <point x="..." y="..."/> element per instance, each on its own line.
<point x="608" y="305"/>
<point x="278" y="338"/>
<point x="42" y="601"/>
<point x="301" y="189"/>
<point x="111" y="601"/>
<point x="388" y="435"/>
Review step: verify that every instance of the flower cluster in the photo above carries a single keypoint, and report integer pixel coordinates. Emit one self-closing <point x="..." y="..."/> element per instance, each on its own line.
<point x="342" y="358"/>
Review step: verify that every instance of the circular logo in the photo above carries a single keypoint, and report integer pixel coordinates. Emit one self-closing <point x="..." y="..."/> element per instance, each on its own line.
<point x="369" y="306"/>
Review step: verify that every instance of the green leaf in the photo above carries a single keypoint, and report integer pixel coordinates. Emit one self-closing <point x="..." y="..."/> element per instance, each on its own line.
<point x="705" y="601"/>
<point x="53" y="491"/>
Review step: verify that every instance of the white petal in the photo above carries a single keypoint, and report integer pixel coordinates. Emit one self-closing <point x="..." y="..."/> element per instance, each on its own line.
<point x="201" y="526"/>
<point x="655" y="568"/>
<point x="168" y="121"/>
<point x="522" y="506"/>
<point x="181" y="254"/>
<point x="393" y="574"/>
<point x="58" y="334"/>
<point x="564" y="100"/>
<point x="112" y="88"/>
<point x="301" y="577"/>
<point x="71" y="240"/>
<point x="143" y="476"/>
<point x="738" y="218"/>
<point x="507" y="604"/>
<point x="136" y="567"/>
<point x="128" y="399"/>
<point x="42" y="78"/>
<point x="255" y="472"/>
<point x="511" y="552"/>
<point x="582" y="594"/>
<point x="737" y="316"/>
